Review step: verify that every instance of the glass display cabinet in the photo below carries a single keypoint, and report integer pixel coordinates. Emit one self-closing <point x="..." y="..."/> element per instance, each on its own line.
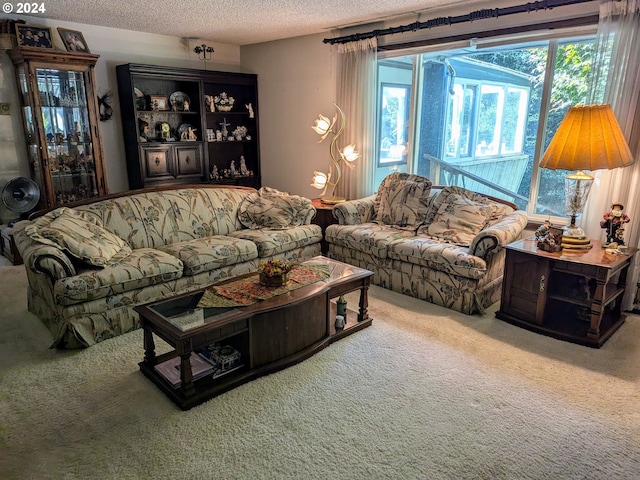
<point x="60" y="114"/>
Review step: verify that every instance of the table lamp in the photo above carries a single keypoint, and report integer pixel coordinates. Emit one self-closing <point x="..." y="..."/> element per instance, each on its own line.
<point x="588" y="138"/>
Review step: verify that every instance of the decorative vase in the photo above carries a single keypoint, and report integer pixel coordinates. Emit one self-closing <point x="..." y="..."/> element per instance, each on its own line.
<point x="275" y="280"/>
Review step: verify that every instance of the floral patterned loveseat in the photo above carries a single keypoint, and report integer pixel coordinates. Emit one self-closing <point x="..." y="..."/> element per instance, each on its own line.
<point x="440" y="244"/>
<point x="88" y="265"/>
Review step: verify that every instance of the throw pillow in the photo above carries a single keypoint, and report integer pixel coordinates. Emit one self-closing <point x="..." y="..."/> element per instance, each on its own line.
<point x="500" y="210"/>
<point x="270" y="208"/>
<point x="79" y="234"/>
<point x="458" y="220"/>
<point x="403" y="200"/>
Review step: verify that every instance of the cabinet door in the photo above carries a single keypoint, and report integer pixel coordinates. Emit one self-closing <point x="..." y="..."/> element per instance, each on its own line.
<point x="524" y="292"/>
<point x="156" y="162"/>
<point x="189" y="160"/>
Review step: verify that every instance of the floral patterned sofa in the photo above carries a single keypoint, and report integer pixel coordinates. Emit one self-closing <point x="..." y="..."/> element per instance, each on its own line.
<point x="88" y="265"/>
<point x="440" y="244"/>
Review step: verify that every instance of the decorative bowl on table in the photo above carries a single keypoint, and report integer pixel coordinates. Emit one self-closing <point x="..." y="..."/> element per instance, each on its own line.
<point x="275" y="280"/>
<point x="274" y="273"/>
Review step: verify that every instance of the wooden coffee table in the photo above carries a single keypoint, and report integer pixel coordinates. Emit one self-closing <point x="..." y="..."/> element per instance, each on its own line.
<point x="258" y="339"/>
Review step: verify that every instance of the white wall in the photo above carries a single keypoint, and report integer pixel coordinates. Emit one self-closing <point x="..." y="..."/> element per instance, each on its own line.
<point x="296" y="82"/>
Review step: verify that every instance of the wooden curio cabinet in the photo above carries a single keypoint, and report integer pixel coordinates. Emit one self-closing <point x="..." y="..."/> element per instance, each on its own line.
<point x="61" y="123"/>
<point x="174" y="134"/>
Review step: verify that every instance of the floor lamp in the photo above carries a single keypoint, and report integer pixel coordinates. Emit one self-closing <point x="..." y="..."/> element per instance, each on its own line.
<point x="589" y="138"/>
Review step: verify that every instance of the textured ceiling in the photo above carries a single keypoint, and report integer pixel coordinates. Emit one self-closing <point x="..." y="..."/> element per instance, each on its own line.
<point x="236" y="22"/>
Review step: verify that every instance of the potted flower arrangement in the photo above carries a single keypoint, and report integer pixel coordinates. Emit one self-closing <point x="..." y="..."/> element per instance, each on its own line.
<point x="223" y="102"/>
<point x="274" y="273"/>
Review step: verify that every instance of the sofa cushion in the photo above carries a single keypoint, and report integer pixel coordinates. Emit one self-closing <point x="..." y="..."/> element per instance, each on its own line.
<point x="458" y="220"/>
<point x="142" y="267"/>
<point x="270" y="208"/>
<point x="371" y="238"/>
<point x="443" y="257"/>
<point x="81" y="235"/>
<point x="271" y="242"/>
<point x="403" y="200"/>
<point x="209" y="253"/>
<point x="500" y="210"/>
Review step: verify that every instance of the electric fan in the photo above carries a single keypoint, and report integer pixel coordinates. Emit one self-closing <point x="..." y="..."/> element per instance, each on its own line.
<point x="20" y="195"/>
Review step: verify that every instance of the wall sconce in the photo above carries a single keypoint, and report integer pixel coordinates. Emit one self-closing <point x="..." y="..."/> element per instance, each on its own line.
<point x="320" y="180"/>
<point x="205" y="51"/>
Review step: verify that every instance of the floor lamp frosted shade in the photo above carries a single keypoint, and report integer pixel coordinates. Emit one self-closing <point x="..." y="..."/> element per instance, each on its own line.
<point x="589" y="138"/>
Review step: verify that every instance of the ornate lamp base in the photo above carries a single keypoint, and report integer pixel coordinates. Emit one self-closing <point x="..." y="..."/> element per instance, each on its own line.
<point x="332" y="200"/>
<point x="573" y="237"/>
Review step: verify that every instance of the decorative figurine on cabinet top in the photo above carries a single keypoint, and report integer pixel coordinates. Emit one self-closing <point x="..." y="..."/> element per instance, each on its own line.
<point x="613" y="222"/>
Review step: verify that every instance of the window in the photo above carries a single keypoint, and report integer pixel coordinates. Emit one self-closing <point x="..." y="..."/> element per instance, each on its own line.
<point x="484" y="116"/>
<point x="394" y="124"/>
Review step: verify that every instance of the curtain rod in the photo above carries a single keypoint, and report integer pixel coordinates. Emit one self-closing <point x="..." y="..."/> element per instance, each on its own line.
<point x="469" y="17"/>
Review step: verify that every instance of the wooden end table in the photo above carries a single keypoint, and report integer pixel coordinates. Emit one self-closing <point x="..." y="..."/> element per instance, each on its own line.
<point x="323" y="218"/>
<point x="573" y="295"/>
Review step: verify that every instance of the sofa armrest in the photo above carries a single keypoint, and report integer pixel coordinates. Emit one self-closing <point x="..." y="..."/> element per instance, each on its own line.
<point x="493" y="238"/>
<point x="42" y="258"/>
<point x="354" y="212"/>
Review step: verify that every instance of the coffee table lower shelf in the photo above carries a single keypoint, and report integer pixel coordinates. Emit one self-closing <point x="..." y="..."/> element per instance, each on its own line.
<point x="207" y="388"/>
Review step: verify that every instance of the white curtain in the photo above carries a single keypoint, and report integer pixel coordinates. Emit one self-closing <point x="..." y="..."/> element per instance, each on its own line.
<point x="616" y="80"/>
<point x="356" y="95"/>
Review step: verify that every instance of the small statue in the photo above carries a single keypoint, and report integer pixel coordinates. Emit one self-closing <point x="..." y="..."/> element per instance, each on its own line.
<point x="613" y="222"/>
<point x="249" y="107"/>
<point x="548" y="238"/>
<point x="185" y="106"/>
<point x="232" y="168"/>
<point x="243" y="166"/>
<point x="543" y="230"/>
<point x="188" y="134"/>
<point x="143" y="126"/>
<point x="214" y="175"/>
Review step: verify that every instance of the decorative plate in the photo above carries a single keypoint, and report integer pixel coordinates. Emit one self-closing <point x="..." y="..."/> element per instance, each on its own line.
<point x="179" y="102"/>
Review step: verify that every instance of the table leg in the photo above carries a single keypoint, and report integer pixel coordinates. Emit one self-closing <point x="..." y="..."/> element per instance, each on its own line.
<point x="363" y="313"/>
<point x="149" y="347"/>
<point x="186" y="375"/>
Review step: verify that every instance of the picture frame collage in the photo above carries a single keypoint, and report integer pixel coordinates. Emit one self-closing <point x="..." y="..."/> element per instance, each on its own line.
<point x="42" y="37"/>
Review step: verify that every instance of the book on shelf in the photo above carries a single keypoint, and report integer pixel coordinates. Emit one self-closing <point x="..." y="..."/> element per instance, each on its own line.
<point x="223" y="358"/>
<point x="170" y="369"/>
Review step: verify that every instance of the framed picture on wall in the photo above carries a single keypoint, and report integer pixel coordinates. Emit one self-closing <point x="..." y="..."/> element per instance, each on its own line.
<point x="33" y="36"/>
<point x="73" y="40"/>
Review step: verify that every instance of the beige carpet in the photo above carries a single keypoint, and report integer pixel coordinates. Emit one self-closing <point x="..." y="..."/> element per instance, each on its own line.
<point x="424" y="393"/>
